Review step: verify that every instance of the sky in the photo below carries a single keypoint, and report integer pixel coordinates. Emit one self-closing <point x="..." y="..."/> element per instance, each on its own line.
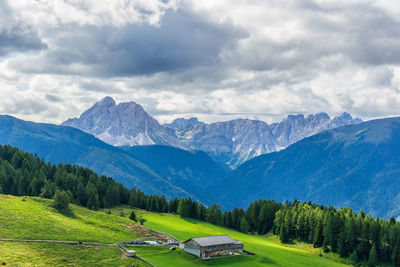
<point x="216" y="60"/>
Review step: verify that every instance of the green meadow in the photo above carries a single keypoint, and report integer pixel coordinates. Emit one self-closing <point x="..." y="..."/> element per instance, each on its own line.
<point x="35" y="219"/>
<point x="269" y="251"/>
<point x="44" y="254"/>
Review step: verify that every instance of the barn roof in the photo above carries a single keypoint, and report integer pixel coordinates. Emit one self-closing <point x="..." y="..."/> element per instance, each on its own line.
<point x="214" y="240"/>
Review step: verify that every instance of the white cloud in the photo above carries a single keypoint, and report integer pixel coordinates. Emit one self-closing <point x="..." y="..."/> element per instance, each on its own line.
<point x="63" y="13"/>
<point x="216" y="60"/>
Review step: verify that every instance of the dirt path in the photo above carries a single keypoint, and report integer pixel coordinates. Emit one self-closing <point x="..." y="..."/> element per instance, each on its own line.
<point x="77" y="243"/>
<point x="64" y="242"/>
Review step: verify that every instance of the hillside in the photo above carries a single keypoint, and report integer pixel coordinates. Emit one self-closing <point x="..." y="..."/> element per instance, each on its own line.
<point x="269" y="251"/>
<point x="69" y="145"/>
<point x="356" y="166"/>
<point x="193" y="171"/>
<point x="35" y="218"/>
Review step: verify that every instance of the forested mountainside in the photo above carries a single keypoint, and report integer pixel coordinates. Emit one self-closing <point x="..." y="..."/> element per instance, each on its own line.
<point x="194" y="171"/>
<point x="365" y="239"/>
<point x="69" y="145"/>
<point x="356" y="166"/>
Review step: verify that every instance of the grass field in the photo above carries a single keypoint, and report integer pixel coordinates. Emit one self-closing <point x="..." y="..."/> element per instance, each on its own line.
<point x="42" y="254"/>
<point x="35" y="218"/>
<point x="270" y="252"/>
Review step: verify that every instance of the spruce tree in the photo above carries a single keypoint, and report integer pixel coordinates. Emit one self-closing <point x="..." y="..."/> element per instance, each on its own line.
<point x="183" y="209"/>
<point x="81" y="195"/>
<point x="354" y="256"/>
<point x="284" y="234"/>
<point x="244" y="225"/>
<point x="93" y="202"/>
<point x="396" y="255"/>
<point x="318" y="238"/>
<point x="373" y="257"/>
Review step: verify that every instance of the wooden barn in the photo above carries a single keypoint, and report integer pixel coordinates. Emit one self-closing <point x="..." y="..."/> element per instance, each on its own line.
<point x="210" y="246"/>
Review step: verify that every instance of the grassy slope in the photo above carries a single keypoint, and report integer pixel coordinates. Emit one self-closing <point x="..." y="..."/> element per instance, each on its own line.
<point x="269" y="250"/>
<point x="34" y="218"/>
<point x="42" y="254"/>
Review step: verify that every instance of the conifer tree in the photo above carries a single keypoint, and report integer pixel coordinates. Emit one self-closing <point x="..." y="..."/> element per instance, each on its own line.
<point x="396" y="255"/>
<point x="81" y="195"/>
<point x="183" y="208"/>
<point x="244" y="225"/>
<point x="373" y="257"/>
<point x="318" y="238"/>
<point x="354" y="256"/>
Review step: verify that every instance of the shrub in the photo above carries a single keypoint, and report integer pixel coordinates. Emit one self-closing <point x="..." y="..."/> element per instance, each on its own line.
<point x="61" y="200"/>
<point x="132" y="216"/>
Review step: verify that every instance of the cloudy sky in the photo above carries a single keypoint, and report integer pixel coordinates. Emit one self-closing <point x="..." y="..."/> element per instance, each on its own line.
<point x="216" y="60"/>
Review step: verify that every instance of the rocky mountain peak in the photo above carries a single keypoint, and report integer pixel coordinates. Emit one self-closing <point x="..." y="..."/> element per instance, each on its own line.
<point x="293" y="118"/>
<point x="229" y="142"/>
<point x="320" y="116"/>
<point x="345" y="119"/>
<point x="181" y="123"/>
<point x="123" y="124"/>
<point x="106" y="102"/>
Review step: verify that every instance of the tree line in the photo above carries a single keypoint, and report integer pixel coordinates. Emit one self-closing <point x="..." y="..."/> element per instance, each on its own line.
<point x="365" y="240"/>
<point x="359" y="237"/>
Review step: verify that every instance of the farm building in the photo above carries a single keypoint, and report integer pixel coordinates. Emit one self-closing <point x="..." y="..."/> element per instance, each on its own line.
<point x="210" y="246"/>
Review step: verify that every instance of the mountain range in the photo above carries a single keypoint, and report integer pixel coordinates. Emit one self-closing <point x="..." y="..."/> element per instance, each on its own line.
<point x="229" y="143"/>
<point x="354" y="165"/>
<point x="58" y="144"/>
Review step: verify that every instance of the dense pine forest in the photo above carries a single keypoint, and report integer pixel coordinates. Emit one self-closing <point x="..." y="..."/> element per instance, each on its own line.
<point x="365" y="240"/>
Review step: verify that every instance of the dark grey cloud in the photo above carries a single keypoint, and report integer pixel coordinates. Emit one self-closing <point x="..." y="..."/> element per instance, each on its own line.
<point x="18" y="40"/>
<point x="14" y="35"/>
<point x="97" y="86"/>
<point x="326" y="36"/>
<point x="181" y="41"/>
<point x="26" y="107"/>
<point x="53" y="98"/>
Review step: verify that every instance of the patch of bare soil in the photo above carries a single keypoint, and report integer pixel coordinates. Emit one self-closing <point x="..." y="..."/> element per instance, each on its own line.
<point x="147" y="232"/>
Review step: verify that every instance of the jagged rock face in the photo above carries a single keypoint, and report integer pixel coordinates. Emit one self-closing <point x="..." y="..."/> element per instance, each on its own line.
<point x="236" y="141"/>
<point x="181" y="123"/>
<point x="231" y="142"/>
<point x="122" y="125"/>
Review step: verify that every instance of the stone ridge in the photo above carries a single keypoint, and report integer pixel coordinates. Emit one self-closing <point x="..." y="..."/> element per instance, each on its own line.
<point x="231" y="142"/>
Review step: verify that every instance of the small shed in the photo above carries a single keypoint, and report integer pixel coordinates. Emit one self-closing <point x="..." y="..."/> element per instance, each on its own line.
<point x="211" y="246"/>
<point x="130" y="252"/>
